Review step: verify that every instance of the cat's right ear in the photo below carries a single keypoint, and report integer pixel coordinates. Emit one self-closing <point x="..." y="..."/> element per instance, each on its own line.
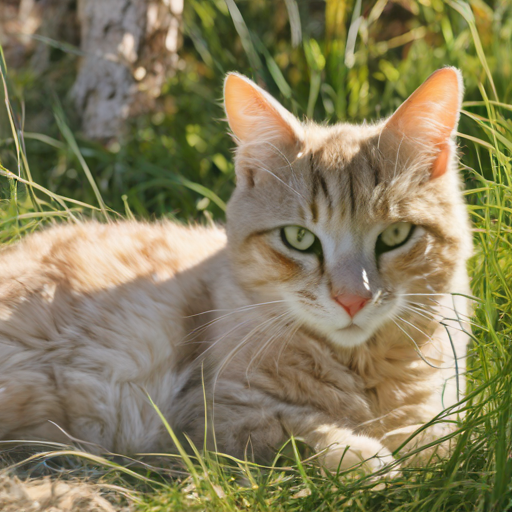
<point x="428" y="119"/>
<point x="255" y="116"/>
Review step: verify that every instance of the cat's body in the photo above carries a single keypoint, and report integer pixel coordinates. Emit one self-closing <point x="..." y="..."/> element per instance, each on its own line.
<point x="94" y="316"/>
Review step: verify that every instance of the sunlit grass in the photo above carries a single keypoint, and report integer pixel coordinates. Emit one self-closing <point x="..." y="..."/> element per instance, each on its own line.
<point x="342" y="76"/>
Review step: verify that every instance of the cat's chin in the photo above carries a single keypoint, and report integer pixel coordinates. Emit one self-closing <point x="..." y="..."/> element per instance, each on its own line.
<point x="349" y="337"/>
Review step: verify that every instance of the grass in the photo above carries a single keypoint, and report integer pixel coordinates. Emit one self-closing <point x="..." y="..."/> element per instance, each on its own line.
<point x="361" y="63"/>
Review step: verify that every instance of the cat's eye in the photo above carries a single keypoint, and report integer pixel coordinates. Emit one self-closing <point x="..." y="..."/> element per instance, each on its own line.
<point x="298" y="238"/>
<point x="394" y="236"/>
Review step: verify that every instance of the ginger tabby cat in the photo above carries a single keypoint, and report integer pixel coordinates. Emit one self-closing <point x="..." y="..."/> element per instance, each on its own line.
<point x="314" y="313"/>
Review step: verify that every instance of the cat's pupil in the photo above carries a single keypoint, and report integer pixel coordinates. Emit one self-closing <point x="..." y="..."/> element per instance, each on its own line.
<point x="300" y="234"/>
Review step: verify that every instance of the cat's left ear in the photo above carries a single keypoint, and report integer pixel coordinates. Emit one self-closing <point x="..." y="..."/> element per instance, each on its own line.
<point x="254" y="115"/>
<point x="429" y="117"/>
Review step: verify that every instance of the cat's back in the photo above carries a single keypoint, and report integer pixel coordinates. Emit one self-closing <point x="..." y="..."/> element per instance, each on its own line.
<point x="116" y="285"/>
<point x="92" y="287"/>
<point x="91" y="256"/>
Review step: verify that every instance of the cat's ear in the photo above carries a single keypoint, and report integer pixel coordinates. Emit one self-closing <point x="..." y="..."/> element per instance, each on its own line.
<point x="254" y="115"/>
<point x="429" y="117"/>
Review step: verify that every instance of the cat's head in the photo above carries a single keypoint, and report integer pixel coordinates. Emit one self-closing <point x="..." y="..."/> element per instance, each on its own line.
<point x="345" y="222"/>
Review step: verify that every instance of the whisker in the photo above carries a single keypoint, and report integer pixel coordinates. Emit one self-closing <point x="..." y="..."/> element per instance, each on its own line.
<point x="232" y="354"/>
<point x="283" y="348"/>
<point x="430" y="340"/>
<point x="433" y="318"/>
<point x="281" y="181"/>
<point x="425" y="314"/>
<point x="424" y="294"/>
<point x="417" y="349"/>
<point x="285" y="158"/>
<point x="440" y="322"/>
<point x="431" y="315"/>
<point x="467" y="318"/>
<point x="214" y="343"/>
<point x="198" y="330"/>
<point x="434" y="305"/>
<point x="275" y="336"/>
<point x="239" y="347"/>
<point x="470" y="297"/>
<point x="461" y="323"/>
<point x="397" y="156"/>
<point x="241" y="308"/>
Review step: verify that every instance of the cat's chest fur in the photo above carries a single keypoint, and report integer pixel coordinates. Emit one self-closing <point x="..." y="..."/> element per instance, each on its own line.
<point x="298" y="367"/>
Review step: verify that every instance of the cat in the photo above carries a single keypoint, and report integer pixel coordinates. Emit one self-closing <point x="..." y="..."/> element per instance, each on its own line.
<point x="315" y="313"/>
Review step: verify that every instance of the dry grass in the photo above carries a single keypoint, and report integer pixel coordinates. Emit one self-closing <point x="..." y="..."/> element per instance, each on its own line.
<point x="51" y="495"/>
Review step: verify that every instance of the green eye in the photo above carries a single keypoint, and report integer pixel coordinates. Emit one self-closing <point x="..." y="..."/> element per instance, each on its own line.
<point x="298" y="238"/>
<point x="394" y="236"/>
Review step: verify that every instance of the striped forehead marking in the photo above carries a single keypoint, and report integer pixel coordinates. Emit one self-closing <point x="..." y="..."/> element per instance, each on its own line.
<point x="341" y="178"/>
<point x="346" y="187"/>
<point x="318" y="186"/>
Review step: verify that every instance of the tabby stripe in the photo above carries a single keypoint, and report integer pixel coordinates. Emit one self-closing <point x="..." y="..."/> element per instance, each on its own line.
<point x="325" y="190"/>
<point x="314" y="211"/>
<point x="351" y="192"/>
<point x="313" y="206"/>
<point x="376" y="175"/>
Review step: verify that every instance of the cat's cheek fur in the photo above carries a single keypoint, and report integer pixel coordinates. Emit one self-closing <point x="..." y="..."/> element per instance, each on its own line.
<point x="426" y="259"/>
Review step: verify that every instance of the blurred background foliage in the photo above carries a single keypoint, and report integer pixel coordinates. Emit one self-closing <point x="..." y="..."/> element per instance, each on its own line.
<point x="333" y="60"/>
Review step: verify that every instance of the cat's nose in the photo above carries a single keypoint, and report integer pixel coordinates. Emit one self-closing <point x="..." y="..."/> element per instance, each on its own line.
<point x="351" y="303"/>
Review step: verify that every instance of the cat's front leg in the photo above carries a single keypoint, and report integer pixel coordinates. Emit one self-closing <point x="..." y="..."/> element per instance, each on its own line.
<point x="261" y="425"/>
<point x="338" y="446"/>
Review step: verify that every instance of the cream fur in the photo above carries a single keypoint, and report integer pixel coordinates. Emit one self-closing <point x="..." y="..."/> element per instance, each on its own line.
<point x="94" y="316"/>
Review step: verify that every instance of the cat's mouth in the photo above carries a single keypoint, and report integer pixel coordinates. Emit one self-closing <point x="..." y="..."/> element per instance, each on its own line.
<point x="341" y="330"/>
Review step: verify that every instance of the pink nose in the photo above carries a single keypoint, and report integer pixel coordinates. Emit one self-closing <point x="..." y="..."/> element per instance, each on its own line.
<point x="351" y="303"/>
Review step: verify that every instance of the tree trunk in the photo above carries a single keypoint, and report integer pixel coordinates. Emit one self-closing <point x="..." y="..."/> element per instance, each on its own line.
<point x="130" y="48"/>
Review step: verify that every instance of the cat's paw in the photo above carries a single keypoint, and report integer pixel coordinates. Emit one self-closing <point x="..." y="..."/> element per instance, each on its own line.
<point x="347" y="450"/>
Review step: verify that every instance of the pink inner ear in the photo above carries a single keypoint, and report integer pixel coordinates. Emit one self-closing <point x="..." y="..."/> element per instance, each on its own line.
<point x="249" y="113"/>
<point x="430" y="114"/>
<point x="441" y="162"/>
<point x="239" y="101"/>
